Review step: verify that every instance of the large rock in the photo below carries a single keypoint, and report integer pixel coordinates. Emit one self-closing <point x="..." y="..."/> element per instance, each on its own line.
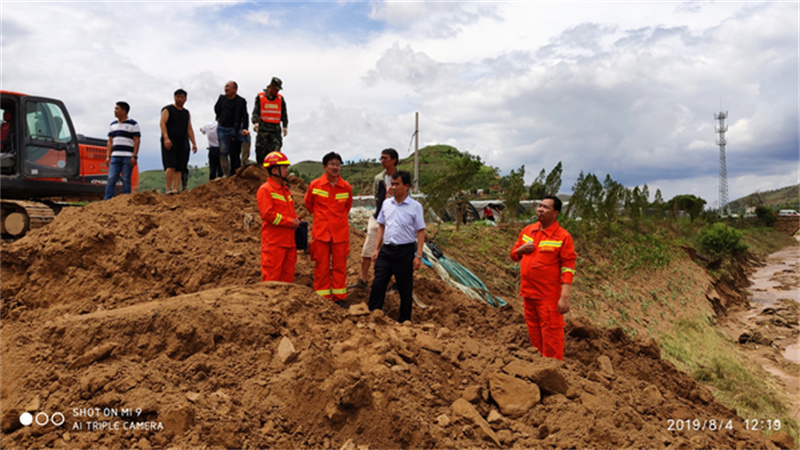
<point x="550" y="379"/>
<point x="286" y="351"/>
<point x="513" y="396"/>
<point x="519" y="368"/>
<point x="545" y="372"/>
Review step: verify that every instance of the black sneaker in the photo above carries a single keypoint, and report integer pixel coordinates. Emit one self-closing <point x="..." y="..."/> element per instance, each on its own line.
<point x="359" y="284"/>
<point x="342" y="304"/>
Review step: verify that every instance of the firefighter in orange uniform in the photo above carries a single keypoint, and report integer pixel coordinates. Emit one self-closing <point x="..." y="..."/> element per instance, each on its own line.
<point x="329" y="198"/>
<point x="278" y="222"/>
<point x="547" y="256"/>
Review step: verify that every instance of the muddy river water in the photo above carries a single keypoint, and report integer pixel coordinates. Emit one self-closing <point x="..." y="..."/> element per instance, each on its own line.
<point x="770" y="325"/>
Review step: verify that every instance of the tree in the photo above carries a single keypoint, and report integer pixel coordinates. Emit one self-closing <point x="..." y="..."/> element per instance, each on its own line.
<point x="538" y="189"/>
<point x="587" y="194"/>
<point x="454" y="178"/>
<point x="553" y="182"/>
<point x="613" y="198"/>
<point x="658" y="204"/>
<point x="766" y="215"/>
<point x="688" y="203"/>
<point x="514" y="185"/>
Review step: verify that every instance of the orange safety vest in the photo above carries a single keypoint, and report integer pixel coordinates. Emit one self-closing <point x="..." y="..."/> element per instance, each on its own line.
<point x="330" y="206"/>
<point x="270" y="109"/>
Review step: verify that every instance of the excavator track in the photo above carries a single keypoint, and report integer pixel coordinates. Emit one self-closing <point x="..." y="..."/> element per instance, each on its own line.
<point x="21" y="216"/>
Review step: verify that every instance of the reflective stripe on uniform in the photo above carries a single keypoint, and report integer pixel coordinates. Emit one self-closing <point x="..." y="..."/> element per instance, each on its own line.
<point x="527" y="238"/>
<point x="320" y="192"/>
<point x="277" y="196"/>
<point x="553" y="244"/>
<point x="278" y="218"/>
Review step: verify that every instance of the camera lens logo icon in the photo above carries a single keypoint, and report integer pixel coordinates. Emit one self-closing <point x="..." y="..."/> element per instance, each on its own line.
<point x="41" y="418"/>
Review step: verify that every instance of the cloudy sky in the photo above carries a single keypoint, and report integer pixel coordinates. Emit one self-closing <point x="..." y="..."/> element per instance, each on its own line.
<point x="622" y="88"/>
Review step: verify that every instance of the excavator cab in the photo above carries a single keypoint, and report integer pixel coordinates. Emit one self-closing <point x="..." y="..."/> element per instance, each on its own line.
<point x="39" y="161"/>
<point x="37" y="139"/>
<point x="49" y="147"/>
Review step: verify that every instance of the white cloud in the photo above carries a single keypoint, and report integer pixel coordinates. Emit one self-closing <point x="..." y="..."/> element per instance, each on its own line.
<point x="622" y="88"/>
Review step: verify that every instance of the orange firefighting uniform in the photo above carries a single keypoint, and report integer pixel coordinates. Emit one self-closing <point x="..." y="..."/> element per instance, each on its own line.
<point x="330" y="235"/>
<point x="551" y="264"/>
<point x="278" y="248"/>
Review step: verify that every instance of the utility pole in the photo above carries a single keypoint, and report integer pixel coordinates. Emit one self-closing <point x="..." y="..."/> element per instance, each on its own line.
<point x="416" y="152"/>
<point x="723" y="171"/>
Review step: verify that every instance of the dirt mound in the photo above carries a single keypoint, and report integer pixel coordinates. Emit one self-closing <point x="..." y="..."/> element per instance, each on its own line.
<point x="137" y="248"/>
<point x="142" y="323"/>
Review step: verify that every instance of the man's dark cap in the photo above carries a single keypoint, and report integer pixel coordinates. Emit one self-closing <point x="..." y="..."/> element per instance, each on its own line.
<point x="277" y="83"/>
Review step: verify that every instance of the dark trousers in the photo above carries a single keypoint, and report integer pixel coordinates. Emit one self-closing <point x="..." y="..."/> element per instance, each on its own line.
<point x="214" y="167"/>
<point x="230" y="146"/>
<point x="397" y="260"/>
<point x="235" y="155"/>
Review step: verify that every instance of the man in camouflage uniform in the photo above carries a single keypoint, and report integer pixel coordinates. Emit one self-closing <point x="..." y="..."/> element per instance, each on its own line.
<point x="269" y="116"/>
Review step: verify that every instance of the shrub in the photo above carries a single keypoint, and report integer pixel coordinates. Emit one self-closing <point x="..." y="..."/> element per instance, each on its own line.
<point x="766" y="215"/>
<point x="719" y="239"/>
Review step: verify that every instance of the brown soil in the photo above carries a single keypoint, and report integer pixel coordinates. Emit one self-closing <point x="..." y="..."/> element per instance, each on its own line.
<point x="153" y="304"/>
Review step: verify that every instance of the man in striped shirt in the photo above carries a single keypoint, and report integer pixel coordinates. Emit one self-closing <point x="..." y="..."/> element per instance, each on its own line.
<point x="122" y="149"/>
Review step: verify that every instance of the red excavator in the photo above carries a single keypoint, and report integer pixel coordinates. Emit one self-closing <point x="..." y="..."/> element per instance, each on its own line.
<point x="44" y="164"/>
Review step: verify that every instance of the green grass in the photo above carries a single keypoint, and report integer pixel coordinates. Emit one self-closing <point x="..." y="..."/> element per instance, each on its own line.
<point x="763" y="241"/>
<point x="698" y="348"/>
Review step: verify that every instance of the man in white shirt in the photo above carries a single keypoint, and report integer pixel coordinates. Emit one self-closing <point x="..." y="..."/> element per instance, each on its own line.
<point x="398" y="248"/>
<point x="214" y="165"/>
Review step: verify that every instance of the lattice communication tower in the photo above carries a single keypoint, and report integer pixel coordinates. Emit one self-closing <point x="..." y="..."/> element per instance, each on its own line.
<point x="723" y="171"/>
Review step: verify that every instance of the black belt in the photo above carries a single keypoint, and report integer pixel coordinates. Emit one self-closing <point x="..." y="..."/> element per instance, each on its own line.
<point x="400" y="245"/>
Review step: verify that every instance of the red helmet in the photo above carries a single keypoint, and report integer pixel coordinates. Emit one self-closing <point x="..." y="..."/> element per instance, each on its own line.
<point x="276" y="159"/>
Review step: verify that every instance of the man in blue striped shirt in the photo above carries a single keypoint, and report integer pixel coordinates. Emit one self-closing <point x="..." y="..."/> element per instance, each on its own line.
<point x="122" y="149"/>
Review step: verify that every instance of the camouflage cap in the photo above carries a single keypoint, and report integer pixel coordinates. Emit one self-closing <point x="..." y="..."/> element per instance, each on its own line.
<point x="277" y="83"/>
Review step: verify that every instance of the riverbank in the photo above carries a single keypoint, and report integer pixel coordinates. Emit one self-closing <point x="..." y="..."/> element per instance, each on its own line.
<point x="767" y="329"/>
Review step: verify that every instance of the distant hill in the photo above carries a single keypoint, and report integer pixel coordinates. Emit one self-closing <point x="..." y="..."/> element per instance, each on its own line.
<point x="784" y="198"/>
<point x="156" y="179"/>
<point x="433" y="160"/>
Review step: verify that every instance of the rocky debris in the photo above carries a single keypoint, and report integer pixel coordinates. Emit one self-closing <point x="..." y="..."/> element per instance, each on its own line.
<point x="359" y="217"/>
<point x="550" y="378"/>
<point x="472" y="394"/>
<point x="605" y="365"/>
<point x="226" y="361"/>
<point x="463" y="408"/>
<point x="286" y="351"/>
<point x="95" y="354"/>
<point x="755" y="337"/>
<point x="782" y="440"/>
<point x="429" y="342"/>
<point x="513" y="396"/>
<point x="359" y="309"/>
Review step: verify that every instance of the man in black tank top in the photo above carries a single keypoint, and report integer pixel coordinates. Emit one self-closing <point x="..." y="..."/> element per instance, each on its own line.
<point x="176" y="132"/>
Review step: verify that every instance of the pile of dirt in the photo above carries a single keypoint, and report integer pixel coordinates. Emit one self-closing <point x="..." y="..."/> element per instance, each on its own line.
<point x="142" y="322"/>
